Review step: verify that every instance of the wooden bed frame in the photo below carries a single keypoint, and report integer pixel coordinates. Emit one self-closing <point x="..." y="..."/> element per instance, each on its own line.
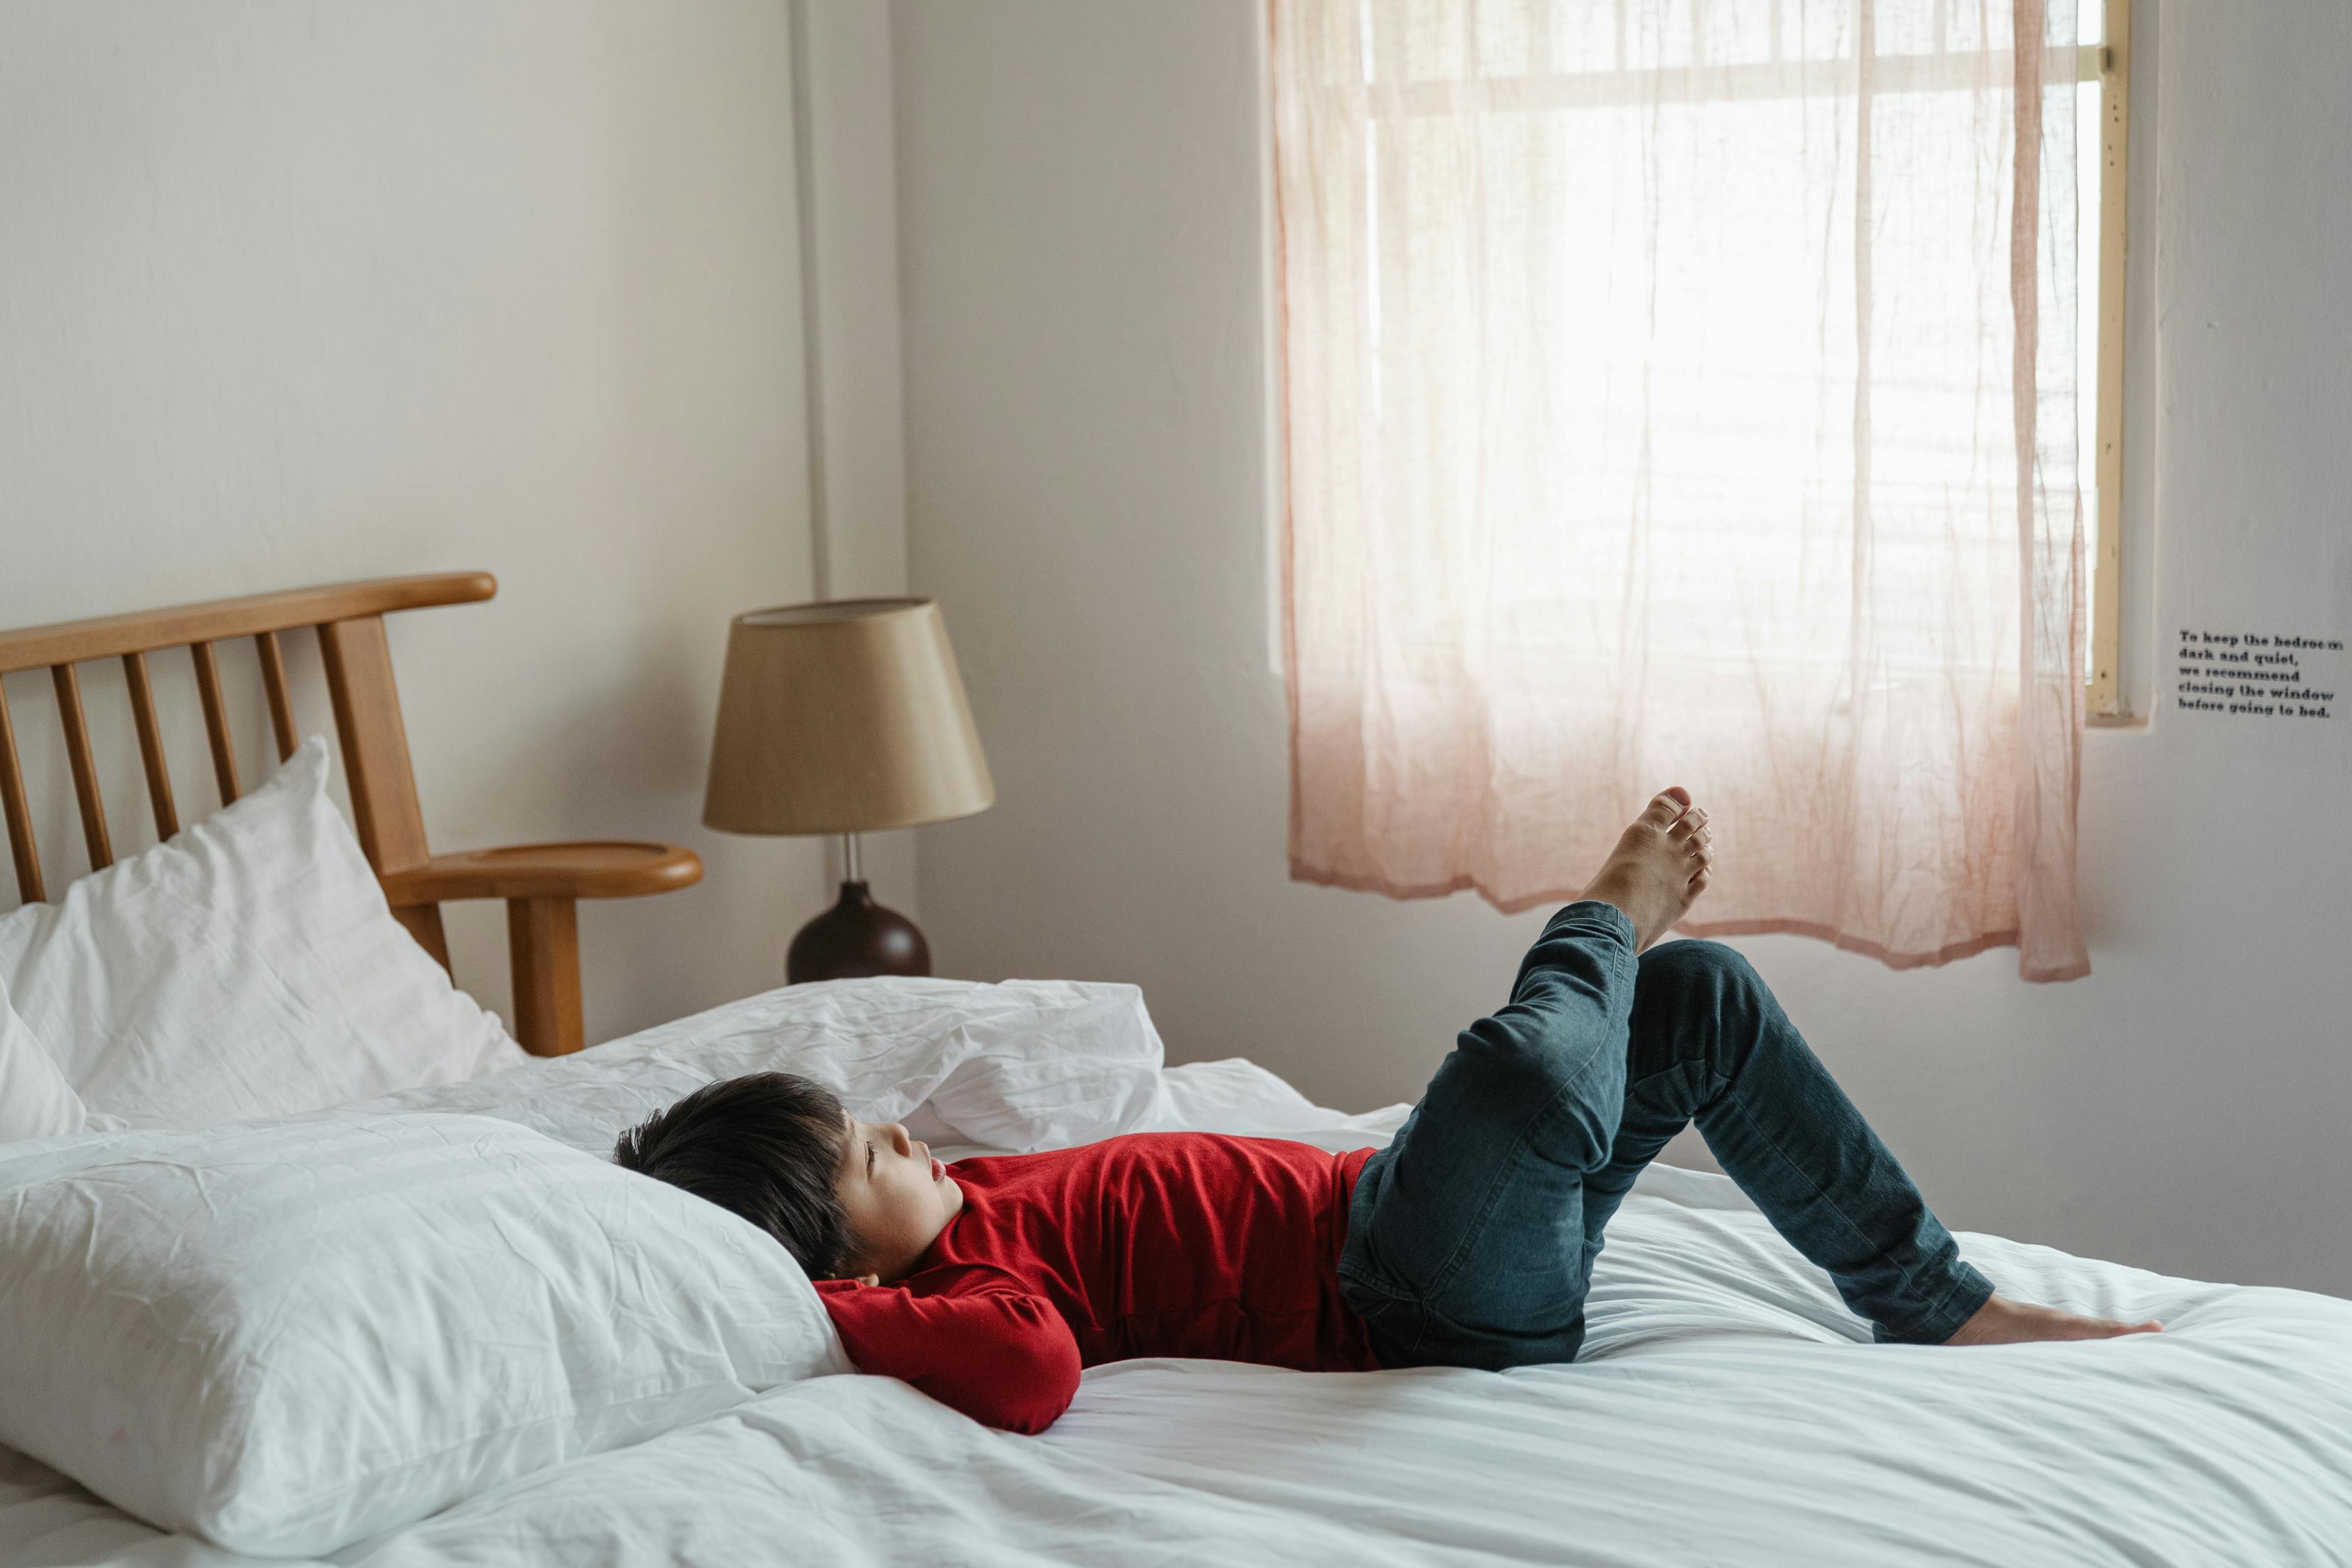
<point x="540" y="882"/>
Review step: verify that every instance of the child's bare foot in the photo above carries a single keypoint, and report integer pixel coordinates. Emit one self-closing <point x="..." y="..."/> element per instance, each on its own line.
<point x="2001" y="1321"/>
<point x="1659" y="866"/>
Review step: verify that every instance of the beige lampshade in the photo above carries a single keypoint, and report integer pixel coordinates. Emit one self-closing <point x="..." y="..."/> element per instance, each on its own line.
<point x="843" y="717"/>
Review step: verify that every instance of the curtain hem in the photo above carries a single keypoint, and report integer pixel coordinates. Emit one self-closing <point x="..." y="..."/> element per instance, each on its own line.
<point x="2073" y="969"/>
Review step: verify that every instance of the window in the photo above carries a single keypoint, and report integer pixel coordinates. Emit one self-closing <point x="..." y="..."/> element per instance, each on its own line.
<point x="1711" y="390"/>
<point x="2102" y="136"/>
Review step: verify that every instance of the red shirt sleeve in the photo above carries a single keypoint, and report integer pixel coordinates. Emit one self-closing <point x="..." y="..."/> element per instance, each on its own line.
<point x="987" y="1348"/>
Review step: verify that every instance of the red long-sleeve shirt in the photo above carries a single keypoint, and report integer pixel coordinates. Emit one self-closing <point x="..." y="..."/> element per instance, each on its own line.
<point x="1174" y="1243"/>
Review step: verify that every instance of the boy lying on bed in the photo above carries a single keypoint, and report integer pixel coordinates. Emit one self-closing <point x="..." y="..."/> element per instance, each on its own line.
<point x="1468" y="1241"/>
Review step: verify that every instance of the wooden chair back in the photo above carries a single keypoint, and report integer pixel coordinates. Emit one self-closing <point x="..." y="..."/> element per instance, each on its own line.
<point x="348" y="620"/>
<point x="540" y="882"/>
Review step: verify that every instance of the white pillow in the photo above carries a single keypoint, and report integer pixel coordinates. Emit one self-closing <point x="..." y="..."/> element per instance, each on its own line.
<point x="35" y="1102"/>
<point x="247" y="967"/>
<point x="288" y="1338"/>
<point x="1027" y="1064"/>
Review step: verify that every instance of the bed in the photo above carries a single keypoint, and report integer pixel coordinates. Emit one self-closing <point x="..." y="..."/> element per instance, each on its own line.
<point x="1727" y="1408"/>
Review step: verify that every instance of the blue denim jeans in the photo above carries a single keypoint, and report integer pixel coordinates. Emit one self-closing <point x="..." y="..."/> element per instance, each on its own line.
<point x="1471" y="1237"/>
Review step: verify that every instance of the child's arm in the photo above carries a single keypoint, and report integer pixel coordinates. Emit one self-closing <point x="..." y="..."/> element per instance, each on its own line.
<point x="992" y="1351"/>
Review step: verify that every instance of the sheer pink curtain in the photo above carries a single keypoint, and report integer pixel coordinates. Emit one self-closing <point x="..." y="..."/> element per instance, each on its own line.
<point x="1683" y="391"/>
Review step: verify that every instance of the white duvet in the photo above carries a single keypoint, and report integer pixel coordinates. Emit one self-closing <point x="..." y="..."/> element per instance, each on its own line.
<point x="1726" y="1409"/>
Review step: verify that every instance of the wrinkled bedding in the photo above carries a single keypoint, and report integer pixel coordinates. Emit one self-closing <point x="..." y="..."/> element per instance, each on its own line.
<point x="1726" y="1409"/>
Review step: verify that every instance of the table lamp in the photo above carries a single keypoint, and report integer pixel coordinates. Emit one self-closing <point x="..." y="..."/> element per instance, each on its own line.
<point x="844" y="717"/>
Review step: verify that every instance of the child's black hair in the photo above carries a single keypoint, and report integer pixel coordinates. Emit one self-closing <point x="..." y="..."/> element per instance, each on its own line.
<point x="767" y="1147"/>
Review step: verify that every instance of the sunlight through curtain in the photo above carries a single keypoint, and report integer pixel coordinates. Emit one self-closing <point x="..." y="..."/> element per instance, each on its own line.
<point x="1683" y="391"/>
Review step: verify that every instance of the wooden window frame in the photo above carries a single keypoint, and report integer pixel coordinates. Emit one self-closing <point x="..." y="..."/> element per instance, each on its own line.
<point x="2111" y="61"/>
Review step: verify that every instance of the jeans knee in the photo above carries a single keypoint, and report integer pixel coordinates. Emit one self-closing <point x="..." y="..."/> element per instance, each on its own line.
<point x="1570" y="1084"/>
<point x="1698" y="968"/>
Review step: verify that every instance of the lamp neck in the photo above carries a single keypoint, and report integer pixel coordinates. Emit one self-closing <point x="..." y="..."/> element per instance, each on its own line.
<point x="851" y="871"/>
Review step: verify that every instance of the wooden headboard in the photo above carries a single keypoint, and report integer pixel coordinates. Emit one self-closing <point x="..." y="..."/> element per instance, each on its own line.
<point x="540" y="882"/>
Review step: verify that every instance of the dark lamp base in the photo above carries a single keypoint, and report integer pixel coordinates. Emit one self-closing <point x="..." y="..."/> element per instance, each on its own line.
<point x="856" y="938"/>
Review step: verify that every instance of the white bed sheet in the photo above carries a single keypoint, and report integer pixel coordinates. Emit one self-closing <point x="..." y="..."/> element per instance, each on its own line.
<point x="1728" y="1410"/>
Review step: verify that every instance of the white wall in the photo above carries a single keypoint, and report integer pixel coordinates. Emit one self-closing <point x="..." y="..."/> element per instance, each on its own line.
<point x="294" y="292"/>
<point x="1085" y="354"/>
<point x="850" y="251"/>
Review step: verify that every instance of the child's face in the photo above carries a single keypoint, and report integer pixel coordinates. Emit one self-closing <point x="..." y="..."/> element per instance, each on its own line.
<point x="897" y="1196"/>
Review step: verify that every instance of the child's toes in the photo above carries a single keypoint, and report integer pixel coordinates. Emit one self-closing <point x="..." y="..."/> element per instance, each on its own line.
<point x="1667" y="807"/>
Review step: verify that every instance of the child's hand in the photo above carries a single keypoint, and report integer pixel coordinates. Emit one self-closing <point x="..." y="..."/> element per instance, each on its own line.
<point x="869" y="1279"/>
